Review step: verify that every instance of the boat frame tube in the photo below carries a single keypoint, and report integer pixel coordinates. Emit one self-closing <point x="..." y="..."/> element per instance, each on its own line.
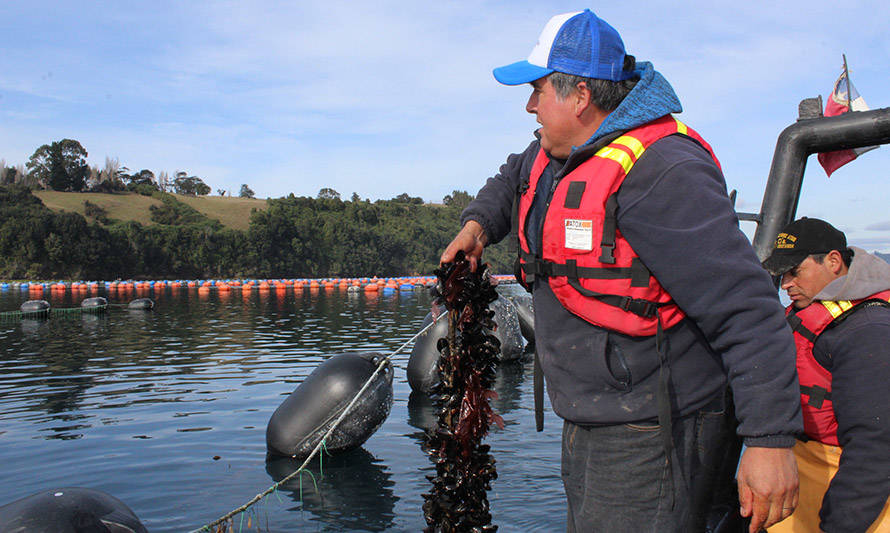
<point x="812" y="135"/>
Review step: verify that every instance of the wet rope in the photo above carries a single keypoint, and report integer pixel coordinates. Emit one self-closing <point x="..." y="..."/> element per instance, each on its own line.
<point x="321" y="445"/>
<point x="44" y="313"/>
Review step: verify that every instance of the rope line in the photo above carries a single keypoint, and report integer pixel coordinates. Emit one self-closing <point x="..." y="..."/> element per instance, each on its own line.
<point x="321" y="445"/>
<point x="49" y="312"/>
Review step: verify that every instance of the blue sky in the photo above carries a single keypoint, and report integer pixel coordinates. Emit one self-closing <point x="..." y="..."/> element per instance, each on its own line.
<point x="383" y="98"/>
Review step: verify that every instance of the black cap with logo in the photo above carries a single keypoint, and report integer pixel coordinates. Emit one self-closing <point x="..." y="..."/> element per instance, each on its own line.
<point x="800" y="239"/>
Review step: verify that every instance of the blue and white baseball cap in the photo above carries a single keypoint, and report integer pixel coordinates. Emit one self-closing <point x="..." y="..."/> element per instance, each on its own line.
<point x="578" y="43"/>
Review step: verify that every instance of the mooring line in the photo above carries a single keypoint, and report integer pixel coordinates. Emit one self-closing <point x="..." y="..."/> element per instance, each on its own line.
<point x="320" y="445"/>
<point x="50" y="312"/>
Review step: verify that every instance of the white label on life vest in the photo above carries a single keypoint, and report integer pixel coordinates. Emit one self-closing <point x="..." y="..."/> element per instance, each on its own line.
<point x="579" y="234"/>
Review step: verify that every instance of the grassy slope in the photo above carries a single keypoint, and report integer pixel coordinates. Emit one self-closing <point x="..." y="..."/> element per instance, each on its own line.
<point x="129" y="206"/>
<point x="232" y="212"/>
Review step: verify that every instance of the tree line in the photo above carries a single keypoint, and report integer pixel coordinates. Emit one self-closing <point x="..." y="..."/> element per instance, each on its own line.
<point x="295" y="237"/>
<point x="62" y="166"/>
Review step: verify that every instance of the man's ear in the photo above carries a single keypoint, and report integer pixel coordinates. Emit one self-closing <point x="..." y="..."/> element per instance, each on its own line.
<point x="581" y="98"/>
<point x="835" y="262"/>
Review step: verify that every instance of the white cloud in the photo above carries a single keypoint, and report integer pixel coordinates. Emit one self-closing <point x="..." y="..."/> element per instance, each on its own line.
<point x="389" y="97"/>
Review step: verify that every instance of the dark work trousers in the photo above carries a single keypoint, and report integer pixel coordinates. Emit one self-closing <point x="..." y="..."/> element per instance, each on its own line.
<point x="616" y="477"/>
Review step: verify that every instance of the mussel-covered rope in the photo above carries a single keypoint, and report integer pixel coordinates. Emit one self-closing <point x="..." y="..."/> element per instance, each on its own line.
<point x="320" y="446"/>
<point x="458" y="501"/>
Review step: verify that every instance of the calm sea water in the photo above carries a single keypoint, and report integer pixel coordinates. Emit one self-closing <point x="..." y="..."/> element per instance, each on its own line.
<point x="167" y="410"/>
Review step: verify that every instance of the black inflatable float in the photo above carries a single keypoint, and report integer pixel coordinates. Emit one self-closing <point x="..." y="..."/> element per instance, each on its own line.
<point x="423" y="363"/>
<point x="423" y="372"/>
<point x="34" y="306"/>
<point x="69" y="510"/>
<point x="507" y="330"/>
<point x="525" y="312"/>
<point x="97" y="303"/>
<point x="141" y="303"/>
<point x="300" y="422"/>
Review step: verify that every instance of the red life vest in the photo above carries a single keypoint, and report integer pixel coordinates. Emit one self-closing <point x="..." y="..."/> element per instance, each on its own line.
<point x="591" y="268"/>
<point x="819" y="422"/>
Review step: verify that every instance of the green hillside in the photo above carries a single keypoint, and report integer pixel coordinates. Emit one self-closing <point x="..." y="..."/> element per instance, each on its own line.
<point x="186" y="237"/>
<point x="233" y="213"/>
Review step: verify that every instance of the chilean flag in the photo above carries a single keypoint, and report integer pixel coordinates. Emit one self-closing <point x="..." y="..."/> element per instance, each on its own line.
<point x="837" y="105"/>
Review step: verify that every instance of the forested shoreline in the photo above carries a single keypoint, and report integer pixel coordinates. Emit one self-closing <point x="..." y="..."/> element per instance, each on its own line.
<point x="295" y="237"/>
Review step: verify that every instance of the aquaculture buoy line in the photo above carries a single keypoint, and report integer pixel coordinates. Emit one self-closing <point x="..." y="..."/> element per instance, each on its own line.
<point x="369" y="286"/>
<point x="355" y="284"/>
<point x="321" y="445"/>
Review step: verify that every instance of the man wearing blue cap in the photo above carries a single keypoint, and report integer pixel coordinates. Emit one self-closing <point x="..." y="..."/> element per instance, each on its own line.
<point x="648" y="299"/>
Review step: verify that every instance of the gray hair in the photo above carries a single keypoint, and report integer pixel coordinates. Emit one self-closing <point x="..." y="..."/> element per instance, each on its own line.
<point x="605" y="94"/>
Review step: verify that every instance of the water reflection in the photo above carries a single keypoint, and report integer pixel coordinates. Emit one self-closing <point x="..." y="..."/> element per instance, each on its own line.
<point x="93" y="322"/>
<point x="31" y="326"/>
<point x="353" y="491"/>
<point x="507" y="383"/>
<point x="421" y="414"/>
<point x="151" y="395"/>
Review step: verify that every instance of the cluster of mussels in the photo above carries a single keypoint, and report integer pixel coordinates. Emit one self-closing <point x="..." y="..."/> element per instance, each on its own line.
<point x="464" y="469"/>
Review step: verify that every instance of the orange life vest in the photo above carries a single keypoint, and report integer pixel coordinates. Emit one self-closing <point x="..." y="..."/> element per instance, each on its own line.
<point x="819" y="422"/>
<point x="591" y="268"/>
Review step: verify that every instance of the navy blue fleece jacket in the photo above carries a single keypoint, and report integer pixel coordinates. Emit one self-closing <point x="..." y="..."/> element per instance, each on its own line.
<point x="855" y="350"/>
<point x="675" y="213"/>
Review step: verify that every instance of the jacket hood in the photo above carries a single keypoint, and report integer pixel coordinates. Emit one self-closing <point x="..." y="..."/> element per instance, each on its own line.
<point x="867" y="275"/>
<point x="651" y="98"/>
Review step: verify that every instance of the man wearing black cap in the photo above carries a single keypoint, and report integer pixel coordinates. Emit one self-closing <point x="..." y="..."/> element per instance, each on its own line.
<point x="840" y="316"/>
<point x="648" y="298"/>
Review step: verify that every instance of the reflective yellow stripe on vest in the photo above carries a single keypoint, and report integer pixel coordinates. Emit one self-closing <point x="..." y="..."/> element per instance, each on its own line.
<point x="618" y="155"/>
<point x="681" y="128"/>
<point x="837" y="308"/>
<point x="635" y="146"/>
<point x="631" y="142"/>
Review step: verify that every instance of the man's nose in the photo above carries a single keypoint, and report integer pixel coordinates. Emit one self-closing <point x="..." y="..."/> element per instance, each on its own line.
<point x="532" y="105"/>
